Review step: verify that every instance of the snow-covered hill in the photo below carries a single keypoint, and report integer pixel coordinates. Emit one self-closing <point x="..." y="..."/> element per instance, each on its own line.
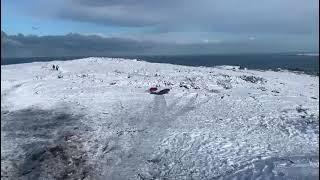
<point x="94" y="119"/>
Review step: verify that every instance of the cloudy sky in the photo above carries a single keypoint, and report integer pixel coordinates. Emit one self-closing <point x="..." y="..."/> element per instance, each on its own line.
<point x="160" y="26"/>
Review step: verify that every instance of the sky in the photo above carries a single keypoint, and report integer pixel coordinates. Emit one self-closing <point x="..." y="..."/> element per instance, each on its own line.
<point x="164" y="27"/>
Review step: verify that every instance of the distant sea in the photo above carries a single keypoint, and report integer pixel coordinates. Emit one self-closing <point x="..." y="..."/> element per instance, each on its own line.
<point x="306" y="63"/>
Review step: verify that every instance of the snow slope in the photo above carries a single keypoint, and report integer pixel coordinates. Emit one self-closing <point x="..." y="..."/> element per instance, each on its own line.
<point x="93" y="119"/>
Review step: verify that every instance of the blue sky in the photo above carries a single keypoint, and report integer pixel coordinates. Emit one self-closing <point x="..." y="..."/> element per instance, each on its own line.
<point x="289" y="24"/>
<point x="15" y="19"/>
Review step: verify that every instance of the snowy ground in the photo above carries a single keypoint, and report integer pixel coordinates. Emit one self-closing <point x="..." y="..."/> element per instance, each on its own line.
<point x="93" y="119"/>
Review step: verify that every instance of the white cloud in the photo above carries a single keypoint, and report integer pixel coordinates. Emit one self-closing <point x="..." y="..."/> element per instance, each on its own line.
<point x="213" y="41"/>
<point x="251" y="38"/>
<point x="205" y="41"/>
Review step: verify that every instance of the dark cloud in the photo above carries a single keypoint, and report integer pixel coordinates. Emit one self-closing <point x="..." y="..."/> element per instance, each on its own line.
<point x="272" y="16"/>
<point x="69" y="45"/>
<point x="93" y="45"/>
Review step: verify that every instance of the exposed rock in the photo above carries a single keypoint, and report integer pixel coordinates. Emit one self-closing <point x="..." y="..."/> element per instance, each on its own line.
<point x="253" y="79"/>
